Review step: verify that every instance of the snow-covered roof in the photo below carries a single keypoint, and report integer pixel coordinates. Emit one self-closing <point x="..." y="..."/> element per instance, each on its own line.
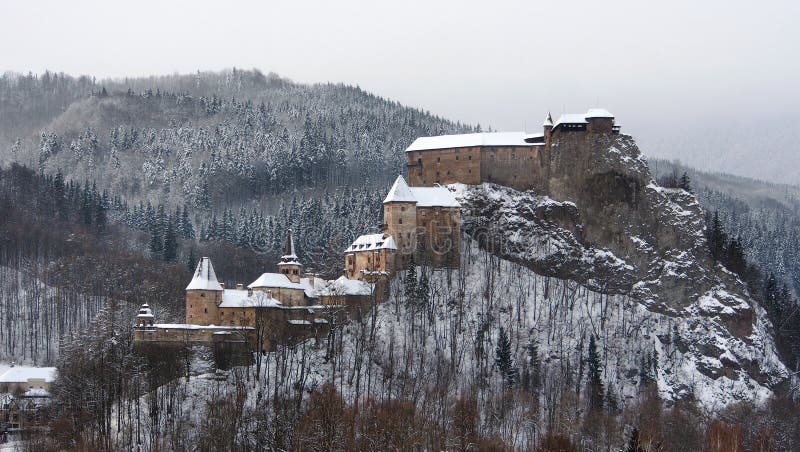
<point x="21" y="374"/>
<point x="340" y="286"/>
<point x="277" y="280"/>
<point x="371" y="242"/>
<point x="598" y="113"/>
<point x="469" y="140"/>
<point x="434" y="197"/>
<point x="235" y="298"/>
<point x="423" y="196"/>
<point x="352" y="286"/>
<point x="580" y="118"/>
<point x="400" y="192"/>
<point x="145" y="312"/>
<point x="204" y="277"/>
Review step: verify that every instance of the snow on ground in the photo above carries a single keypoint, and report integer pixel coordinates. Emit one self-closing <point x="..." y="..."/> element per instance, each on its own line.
<point x="414" y="349"/>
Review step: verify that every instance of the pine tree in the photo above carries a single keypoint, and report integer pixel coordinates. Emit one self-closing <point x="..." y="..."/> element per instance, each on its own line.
<point x="170" y="249"/>
<point x="423" y="288"/>
<point x="535" y="365"/>
<point x="503" y="359"/>
<point x="410" y="283"/>
<point x="595" y="390"/>
<point x="685" y="183"/>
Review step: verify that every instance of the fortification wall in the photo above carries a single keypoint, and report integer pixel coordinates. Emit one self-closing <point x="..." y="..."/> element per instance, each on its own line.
<point x="520" y="167"/>
<point x="445" y="166"/>
<point x="438" y="235"/>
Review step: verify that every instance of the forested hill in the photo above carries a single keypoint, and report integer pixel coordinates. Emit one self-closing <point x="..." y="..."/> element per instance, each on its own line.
<point x="207" y="140"/>
<point x="763" y="217"/>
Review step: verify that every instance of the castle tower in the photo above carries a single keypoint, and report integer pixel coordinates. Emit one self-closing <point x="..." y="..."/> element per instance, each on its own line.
<point x="203" y="295"/>
<point x="145" y="317"/>
<point x="290" y="264"/>
<point x="400" y="218"/>
<point x="548" y="127"/>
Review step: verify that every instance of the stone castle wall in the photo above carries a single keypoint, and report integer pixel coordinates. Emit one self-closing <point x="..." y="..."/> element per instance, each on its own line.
<point x="201" y="306"/>
<point x="520" y="167"/>
<point x="382" y="261"/>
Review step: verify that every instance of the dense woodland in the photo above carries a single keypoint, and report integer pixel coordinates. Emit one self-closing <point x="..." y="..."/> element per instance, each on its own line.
<point x="128" y="182"/>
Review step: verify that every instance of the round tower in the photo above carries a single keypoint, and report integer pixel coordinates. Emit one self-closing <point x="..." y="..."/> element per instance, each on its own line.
<point x="290" y="264"/>
<point x="203" y="295"/>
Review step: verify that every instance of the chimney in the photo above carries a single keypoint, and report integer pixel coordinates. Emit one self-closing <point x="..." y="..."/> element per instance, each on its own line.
<point x="249" y="292"/>
<point x="239" y="286"/>
<point x="311" y="279"/>
<point x="222" y="284"/>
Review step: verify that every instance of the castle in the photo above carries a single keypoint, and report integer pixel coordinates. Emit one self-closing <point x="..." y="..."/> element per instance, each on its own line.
<point x="275" y="308"/>
<point x="422" y="222"/>
<point x="515" y="159"/>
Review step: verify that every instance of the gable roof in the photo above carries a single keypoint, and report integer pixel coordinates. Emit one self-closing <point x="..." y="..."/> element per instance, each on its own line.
<point x="235" y="298"/>
<point x="276" y="280"/>
<point x="434" y="197"/>
<point x="204" y="277"/>
<point x="371" y="242"/>
<point x="422" y="196"/>
<point x="469" y="140"/>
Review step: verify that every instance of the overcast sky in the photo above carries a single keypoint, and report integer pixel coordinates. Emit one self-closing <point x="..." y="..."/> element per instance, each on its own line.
<point x="498" y="63"/>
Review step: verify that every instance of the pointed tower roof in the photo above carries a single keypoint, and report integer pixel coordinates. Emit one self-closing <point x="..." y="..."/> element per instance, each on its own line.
<point x="204" y="277"/>
<point x="548" y="121"/>
<point x="400" y="192"/>
<point x="289" y="254"/>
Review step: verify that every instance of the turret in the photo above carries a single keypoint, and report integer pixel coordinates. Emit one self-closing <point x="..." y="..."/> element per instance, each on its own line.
<point x="144" y="318"/>
<point x="290" y="264"/>
<point x="203" y="295"/>
<point x="547" y="126"/>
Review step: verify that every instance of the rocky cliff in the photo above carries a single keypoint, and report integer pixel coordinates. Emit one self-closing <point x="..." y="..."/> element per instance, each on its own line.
<point x="608" y="226"/>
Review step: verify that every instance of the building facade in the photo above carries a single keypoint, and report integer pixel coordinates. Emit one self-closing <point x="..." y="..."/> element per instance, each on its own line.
<point x="514" y="159"/>
<point x="424" y="222"/>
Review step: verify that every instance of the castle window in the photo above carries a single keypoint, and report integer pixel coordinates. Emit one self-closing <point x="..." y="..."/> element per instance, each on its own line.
<point x="470" y="171"/>
<point x="470" y="157"/>
<point x="205" y="310"/>
<point x="402" y="209"/>
<point x="400" y="221"/>
<point x="437" y="175"/>
<point x="202" y="295"/>
<point x="456" y="157"/>
<point x="438" y="159"/>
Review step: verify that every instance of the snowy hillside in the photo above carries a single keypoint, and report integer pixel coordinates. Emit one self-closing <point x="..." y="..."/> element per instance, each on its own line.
<point x="450" y="340"/>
